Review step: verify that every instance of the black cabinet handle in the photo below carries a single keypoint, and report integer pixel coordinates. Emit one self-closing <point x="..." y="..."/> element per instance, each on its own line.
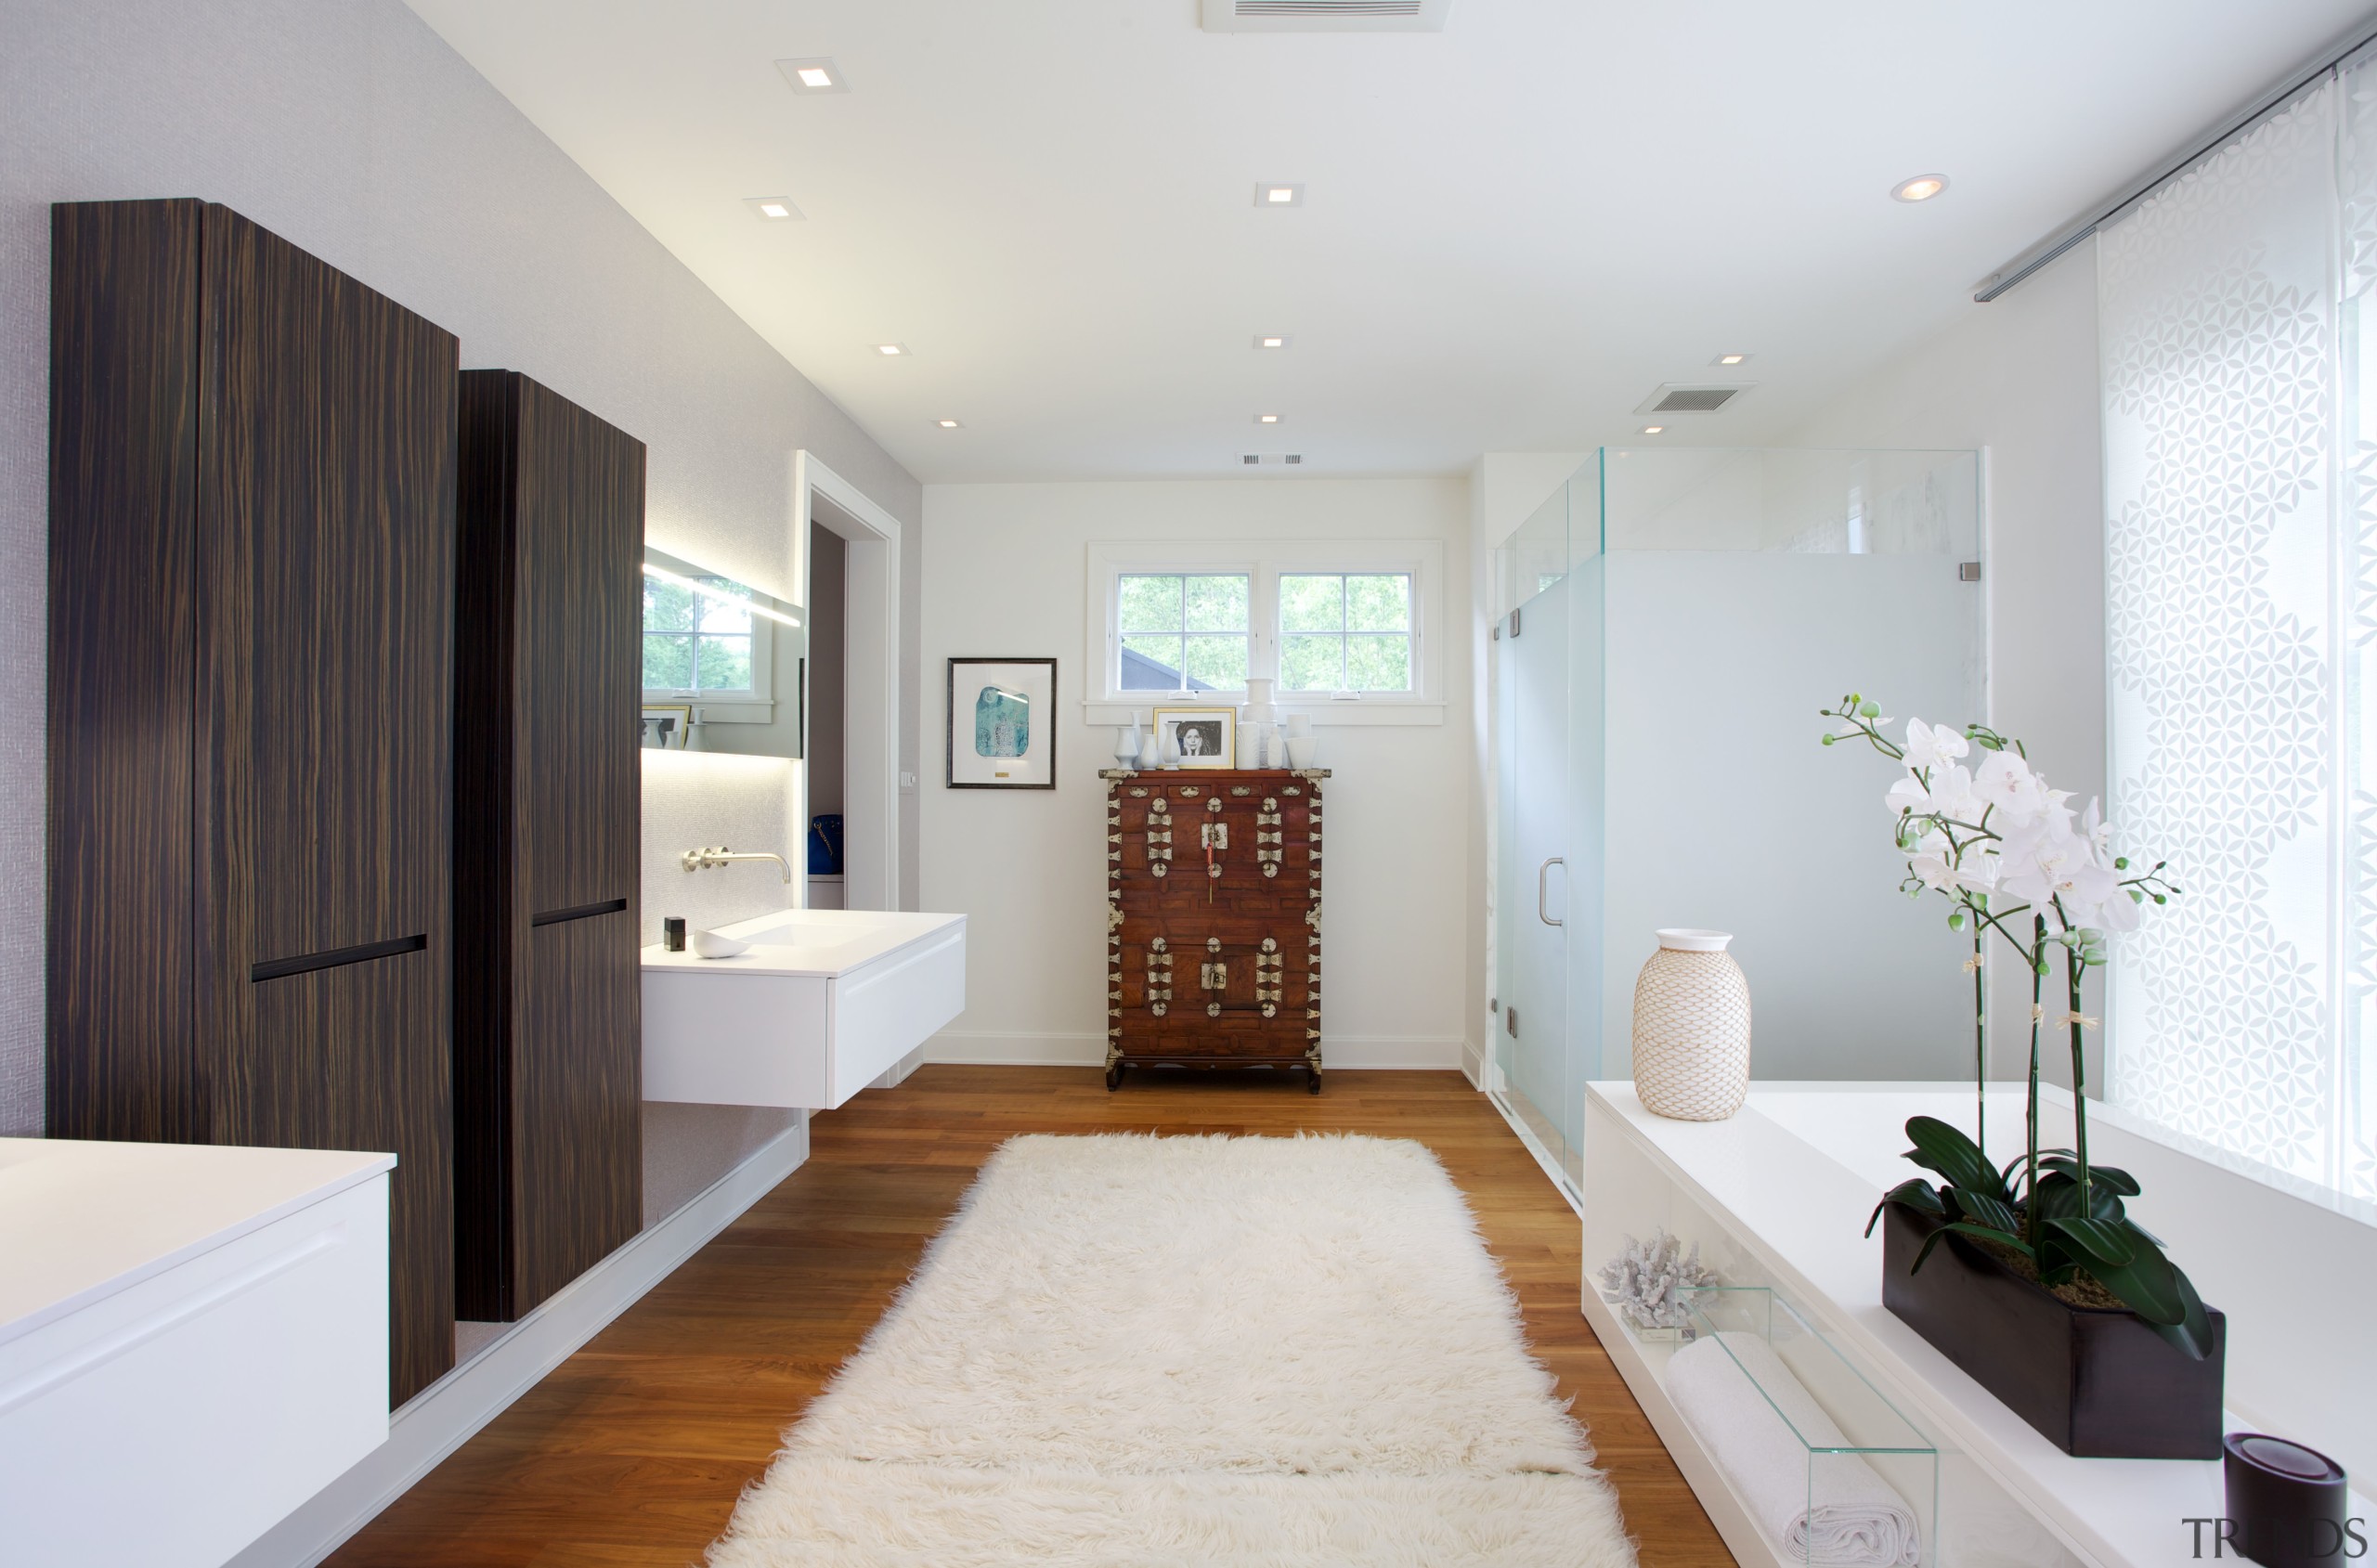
<point x="279" y="968"/>
<point x="580" y="912"/>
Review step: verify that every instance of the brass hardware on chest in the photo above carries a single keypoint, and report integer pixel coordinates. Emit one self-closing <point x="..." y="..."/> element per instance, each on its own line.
<point x="1272" y="1018"/>
<point x="1159" y="978"/>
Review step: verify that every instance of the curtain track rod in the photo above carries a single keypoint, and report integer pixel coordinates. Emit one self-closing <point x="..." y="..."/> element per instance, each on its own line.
<point x="2337" y="52"/>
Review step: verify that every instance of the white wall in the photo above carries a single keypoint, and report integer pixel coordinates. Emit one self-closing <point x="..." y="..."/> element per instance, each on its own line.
<point x="2017" y="378"/>
<point x="353" y="131"/>
<point x="1006" y="577"/>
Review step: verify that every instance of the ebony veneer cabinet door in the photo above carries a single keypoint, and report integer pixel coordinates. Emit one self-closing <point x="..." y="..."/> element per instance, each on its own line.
<point x="251" y="629"/>
<point x="548" y="1057"/>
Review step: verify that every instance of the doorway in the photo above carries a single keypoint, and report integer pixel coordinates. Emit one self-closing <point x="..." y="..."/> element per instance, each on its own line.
<point x="828" y="701"/>
<point x="862" y="776"/>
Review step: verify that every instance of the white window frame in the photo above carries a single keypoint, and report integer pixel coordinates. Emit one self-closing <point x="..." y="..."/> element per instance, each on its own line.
<point x="1263" y="561"/>
<point x="752" y="705"/>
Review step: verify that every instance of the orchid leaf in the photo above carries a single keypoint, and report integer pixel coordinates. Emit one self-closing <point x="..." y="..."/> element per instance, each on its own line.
<point x="1940" y="1147"/>
<point x="2192" y="1333"/>
<point x="2104" y="1242"/>
<point x="2058" y="1197"/>
<point x="1982" y="1209"/>
<point x="1916" y="1194"/>
<point x="2112" y="1176"/>
<point x="1961" y="1227"/>
<point x="2145" y="1281"/>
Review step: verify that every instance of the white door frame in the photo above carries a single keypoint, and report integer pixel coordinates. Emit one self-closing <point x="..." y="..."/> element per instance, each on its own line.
<point x="871" y="700"/>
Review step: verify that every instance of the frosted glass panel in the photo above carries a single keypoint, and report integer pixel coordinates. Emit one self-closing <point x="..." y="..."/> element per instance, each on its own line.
<point x="1723" y="812"/>
<point x="1533" y="1047"/>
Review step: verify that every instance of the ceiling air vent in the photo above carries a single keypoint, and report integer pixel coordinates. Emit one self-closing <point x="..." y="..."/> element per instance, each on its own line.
<point x="1679" y="398"/>
<point x="1326" y="16"/>
<point x="1271" y="460"/>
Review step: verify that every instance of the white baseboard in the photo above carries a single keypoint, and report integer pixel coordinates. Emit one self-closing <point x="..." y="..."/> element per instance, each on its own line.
<point x="444" y="1416"/>
<point x="1473" y="1064"/>
<point x="1353" y="1053"/>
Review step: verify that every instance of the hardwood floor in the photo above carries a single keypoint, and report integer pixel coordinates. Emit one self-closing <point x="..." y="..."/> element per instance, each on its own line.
<point x="633" y="1450"/>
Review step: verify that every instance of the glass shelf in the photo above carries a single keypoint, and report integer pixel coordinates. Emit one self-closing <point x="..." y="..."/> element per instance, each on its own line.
<point x="1826" y="1465"/>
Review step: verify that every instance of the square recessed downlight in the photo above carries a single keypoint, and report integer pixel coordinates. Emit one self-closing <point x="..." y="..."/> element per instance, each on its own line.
<point x="1267" y="419"/>
<point x="818" y="73"/>
<point x="1652" y="429"/>
<point x="1731" y="360"/>
<point x="772" y="209"/>
<point x="951" y="424"/>
<point x="1278" y="193"/>
<point x="1272" y="339"/>
<point x="892" y="350"/>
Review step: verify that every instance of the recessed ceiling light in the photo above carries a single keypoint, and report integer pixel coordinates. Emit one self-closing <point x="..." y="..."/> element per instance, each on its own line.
<point x="772" y="209"/>
<point x="950" y="424"/>
<point x="1279" y="193"/>
<point x="1271" y="340"/>
<point x="1922" y="188"/>
<point x="1731" y="360"/>
<point x="891" y="350"/>
<point x="1267" y="419"/>
<point x="816" y="74"/>
<point x="1652" y="429"/>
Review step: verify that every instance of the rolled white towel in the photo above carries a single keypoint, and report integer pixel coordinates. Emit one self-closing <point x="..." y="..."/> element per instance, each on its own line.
<point x="1856" y="1521"/>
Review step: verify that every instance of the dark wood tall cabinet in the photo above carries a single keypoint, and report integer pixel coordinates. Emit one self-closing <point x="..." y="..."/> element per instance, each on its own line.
<point x="548" y="1064"/>
<point x="1213" y="919"/>
<point x="252" y="522"/>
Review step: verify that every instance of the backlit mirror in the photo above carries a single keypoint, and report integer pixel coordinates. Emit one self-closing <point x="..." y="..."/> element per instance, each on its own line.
<point x="725" y="666"/>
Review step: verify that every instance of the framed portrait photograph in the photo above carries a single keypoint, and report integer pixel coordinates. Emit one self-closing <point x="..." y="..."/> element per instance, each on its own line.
<point x="666" y="725"/>
<point x="1002" y="724"/>
<point x="1207" y="736"/>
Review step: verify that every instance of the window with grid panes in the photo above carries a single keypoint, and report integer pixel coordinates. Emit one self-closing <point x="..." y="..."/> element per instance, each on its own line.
<point x="1182" y="631"/>
<point x="1344" y="631"/>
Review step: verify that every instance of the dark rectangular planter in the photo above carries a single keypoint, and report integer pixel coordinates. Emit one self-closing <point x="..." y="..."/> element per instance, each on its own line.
<point x="2100" y="1384"/>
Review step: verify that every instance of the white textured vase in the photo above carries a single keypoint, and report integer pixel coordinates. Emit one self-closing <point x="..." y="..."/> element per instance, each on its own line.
<point x="1692" y="1029"/>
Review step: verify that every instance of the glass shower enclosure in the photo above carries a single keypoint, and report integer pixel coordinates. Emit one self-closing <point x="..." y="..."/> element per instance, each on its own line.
<point x="1669" y="622"/>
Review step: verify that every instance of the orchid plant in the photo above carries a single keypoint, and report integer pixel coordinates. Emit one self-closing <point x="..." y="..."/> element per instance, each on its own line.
<point x="2003" y="849"/>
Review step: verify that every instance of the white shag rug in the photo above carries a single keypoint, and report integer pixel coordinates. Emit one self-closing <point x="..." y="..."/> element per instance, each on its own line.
<point x="1273" y="1352"/>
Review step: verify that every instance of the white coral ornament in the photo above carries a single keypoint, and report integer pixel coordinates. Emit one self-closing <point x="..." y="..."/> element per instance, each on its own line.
<point x="1650" y="1280"/>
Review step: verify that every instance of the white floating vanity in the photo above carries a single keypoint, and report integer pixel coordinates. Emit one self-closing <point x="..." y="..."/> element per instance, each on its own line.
<point x="193" y="1341"/>
<point x="823" y="1002"/>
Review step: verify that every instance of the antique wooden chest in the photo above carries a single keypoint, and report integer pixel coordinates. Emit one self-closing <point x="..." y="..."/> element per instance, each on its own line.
<point x="1213" y="919"/>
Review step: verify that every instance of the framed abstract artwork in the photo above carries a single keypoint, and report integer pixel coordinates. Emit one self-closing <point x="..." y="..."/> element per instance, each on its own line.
<point x="1002" y="724"/>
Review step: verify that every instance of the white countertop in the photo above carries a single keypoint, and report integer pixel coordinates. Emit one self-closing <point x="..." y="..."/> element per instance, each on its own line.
<point x="1801" y="1167"/>
<point x="81" y="1219"/>
<point x="822" y="944"/>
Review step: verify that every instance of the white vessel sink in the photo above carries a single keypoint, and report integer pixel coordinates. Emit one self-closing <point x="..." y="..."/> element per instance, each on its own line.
<point x="822" y="1004"/>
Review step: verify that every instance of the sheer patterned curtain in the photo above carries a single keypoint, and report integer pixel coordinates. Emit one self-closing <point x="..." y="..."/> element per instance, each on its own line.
<point x="2241" y="471"/>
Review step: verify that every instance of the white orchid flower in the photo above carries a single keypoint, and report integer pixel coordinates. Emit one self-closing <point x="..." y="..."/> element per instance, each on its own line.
<point x="1953" y="794"/>
<point x="2007" y="784"/>
<point x="1940" y="866"/>
<point x="2098" y="834"/>
<point x="1908" y="794"/>
<point x="1930" y="747"/>
<point x="2046" y="860"/>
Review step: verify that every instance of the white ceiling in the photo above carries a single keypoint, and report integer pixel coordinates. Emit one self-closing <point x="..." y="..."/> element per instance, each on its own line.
<point x="1513" y="229"/>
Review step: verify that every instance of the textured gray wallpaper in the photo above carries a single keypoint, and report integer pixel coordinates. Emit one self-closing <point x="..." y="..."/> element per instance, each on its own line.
<point x="349" y="128"/>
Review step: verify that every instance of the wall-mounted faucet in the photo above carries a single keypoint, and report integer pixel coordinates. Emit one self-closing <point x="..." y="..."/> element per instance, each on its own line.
<point x="702" y="859"/>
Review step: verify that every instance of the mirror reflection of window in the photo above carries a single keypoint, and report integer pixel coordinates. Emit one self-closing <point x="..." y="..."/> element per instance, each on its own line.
<point x="693" y="640"/>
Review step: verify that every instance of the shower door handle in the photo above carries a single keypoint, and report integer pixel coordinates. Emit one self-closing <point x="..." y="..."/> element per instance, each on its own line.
<point x="1543" y="876"/>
